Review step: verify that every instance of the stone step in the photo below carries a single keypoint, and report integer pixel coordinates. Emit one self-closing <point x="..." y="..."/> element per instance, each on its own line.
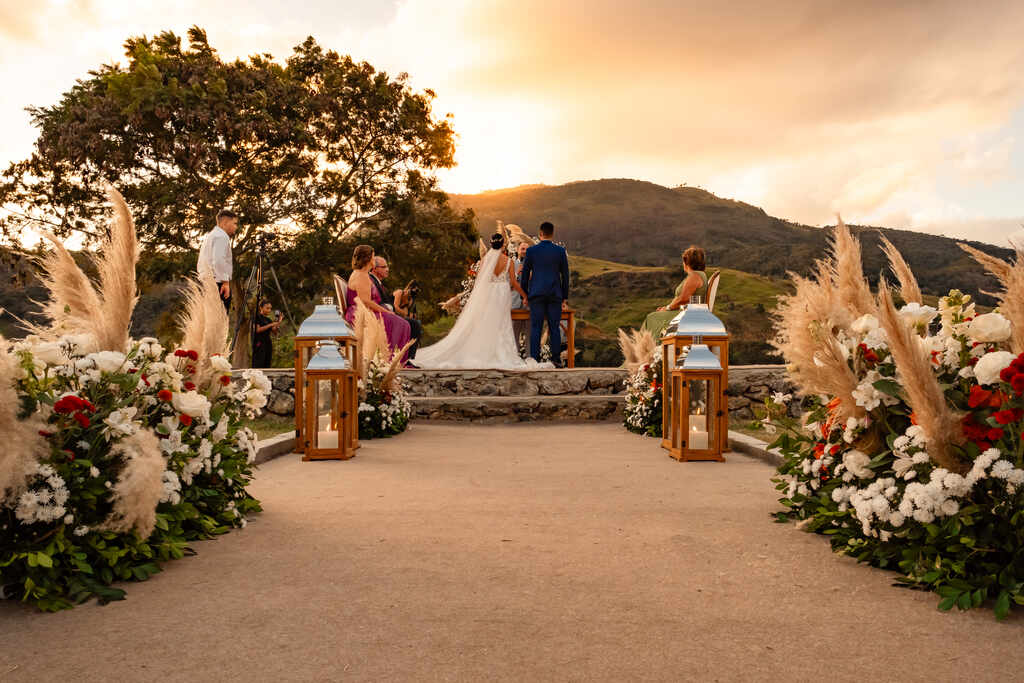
<point x="564" y="382"/>
<point x="517" y="408"/>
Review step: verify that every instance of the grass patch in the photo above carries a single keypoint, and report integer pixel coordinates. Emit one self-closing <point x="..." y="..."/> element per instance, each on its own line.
<point x="589" y="267"/>
<point x="269" y="425"/>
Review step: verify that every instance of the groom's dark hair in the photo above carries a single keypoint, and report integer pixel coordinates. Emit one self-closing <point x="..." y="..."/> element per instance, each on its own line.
<point x="547" y="229"/>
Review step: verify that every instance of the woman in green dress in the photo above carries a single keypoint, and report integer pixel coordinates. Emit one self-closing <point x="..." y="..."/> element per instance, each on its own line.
<point x="695" y="284"/>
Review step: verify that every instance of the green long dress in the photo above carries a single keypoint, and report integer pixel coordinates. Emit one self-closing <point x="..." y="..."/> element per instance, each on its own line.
<point x="657" y="321"/>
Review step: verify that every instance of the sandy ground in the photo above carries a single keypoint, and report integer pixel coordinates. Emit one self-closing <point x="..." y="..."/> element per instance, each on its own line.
<point x="553" y="552"/>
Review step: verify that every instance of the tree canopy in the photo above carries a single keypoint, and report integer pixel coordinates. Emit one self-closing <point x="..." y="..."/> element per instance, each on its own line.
<point x="320" y="142"/>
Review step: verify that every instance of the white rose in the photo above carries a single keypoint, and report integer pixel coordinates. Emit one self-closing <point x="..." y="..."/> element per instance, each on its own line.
<point x="864" y="324"/>
<point x="990" y="327"/>
<point x="990" y="365"/>
<point x="50" y="353"/>
<point x="107" y="361"/>
<point x="220" y="363"/>
<point x="192" y="404"/>
<point x="917" y="315"/>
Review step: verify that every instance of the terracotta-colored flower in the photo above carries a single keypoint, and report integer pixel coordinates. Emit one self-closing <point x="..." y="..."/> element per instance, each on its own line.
<point x="978" y="396"/>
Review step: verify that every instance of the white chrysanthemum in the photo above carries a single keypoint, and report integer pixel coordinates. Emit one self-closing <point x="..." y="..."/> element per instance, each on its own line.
<point x="990" y="365"/>
<point x="49" y="353"/>
<point x="220" y="364"/>
<point x="857" y="463"/>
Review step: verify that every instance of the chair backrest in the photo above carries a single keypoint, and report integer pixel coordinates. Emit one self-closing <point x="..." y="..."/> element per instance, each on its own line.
<point x="712" y="289"/>
<point x="341" y="290"/>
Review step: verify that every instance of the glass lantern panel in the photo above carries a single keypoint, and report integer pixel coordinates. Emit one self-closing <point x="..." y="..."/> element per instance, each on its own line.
<point x="701" y="415"/>
<point x="327" y="397"/>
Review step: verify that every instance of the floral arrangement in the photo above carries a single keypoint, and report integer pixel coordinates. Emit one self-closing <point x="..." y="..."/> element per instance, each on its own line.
<point x="642" y="413"/>
<point x="910" y="457"/>
<point x="384" y="408"/>
<point x="118" y="454"/>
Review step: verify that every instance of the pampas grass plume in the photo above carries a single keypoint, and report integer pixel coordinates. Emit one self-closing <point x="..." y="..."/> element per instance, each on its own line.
<point x="23" y="444"/>
<point x="140" y="485"/>
<point x="910" y="292"/>
<point x="924" y="393"/>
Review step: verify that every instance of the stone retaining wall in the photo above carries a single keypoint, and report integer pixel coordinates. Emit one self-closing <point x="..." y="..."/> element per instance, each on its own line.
<point x="748" y="385"/>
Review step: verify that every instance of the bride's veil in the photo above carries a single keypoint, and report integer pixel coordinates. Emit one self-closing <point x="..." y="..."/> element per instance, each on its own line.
<point x="474" y="311"/>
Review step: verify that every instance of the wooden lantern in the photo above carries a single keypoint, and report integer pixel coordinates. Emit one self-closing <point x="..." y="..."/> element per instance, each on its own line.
<point x="695" y="321"/>
<point x="700" y="422"/>
<point x="330" y="394"/>
<point x="325" y="324"/>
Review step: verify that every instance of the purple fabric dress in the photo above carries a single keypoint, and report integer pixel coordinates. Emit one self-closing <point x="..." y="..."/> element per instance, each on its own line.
<point x="397" y="328"/>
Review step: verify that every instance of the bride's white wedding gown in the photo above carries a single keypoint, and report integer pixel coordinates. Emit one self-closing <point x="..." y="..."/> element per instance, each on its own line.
<point x="482" y="337"/>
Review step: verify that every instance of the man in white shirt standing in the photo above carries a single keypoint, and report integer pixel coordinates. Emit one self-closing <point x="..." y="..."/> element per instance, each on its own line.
<point x="215" y="254"/>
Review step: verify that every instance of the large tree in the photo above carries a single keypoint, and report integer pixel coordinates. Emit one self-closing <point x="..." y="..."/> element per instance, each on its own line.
<point x="312" y="149"/>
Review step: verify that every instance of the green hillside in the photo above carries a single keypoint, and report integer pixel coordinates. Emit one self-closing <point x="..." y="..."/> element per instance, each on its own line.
<point x="643" y="224"/>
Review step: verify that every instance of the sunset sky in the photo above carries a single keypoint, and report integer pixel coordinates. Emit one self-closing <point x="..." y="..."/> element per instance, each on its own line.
<point x="906" y="114"/>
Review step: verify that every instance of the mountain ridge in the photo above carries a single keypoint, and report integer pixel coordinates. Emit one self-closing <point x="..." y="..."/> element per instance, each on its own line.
<point x="645" y="224"/>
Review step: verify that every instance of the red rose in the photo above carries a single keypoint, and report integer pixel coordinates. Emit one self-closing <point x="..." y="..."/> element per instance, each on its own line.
<point x="193" y="356"/>
<point x="972" y="362"/>
<point x="983" y="445"/>
<point x="165" y="395"/>
<point x="1005" y="417"/>
<point x="185" y="419"/>
<point x="180" y="353"/>
<point x="978" y="396"/>
<point x="1018" y="363"/>
<point x="190" y="369"/>
<point x="88" y="406"/>
<point x="1007" y="373"/>
<point x="81" y="419"/>
<point x="68" y="404"/>
<point x="1018" y="384"/>
<point x="225" y="379"/>
<point x="189" y="386"/>
<point x="994" y="434"/>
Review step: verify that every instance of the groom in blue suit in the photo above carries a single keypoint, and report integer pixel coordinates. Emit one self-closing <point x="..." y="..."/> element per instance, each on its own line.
<point x="545" y="278"/>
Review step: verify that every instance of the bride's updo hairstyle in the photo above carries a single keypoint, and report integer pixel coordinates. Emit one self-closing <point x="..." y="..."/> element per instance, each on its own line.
<point x="694" y="257"/>
<point x="362" y="255"/>
<point x="497" y="240"/>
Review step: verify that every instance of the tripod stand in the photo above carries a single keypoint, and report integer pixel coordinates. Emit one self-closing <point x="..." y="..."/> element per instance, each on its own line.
<point x="254" y="285"/>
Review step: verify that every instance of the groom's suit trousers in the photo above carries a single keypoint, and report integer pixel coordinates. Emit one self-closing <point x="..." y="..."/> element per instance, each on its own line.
<point x="547" y="308"/>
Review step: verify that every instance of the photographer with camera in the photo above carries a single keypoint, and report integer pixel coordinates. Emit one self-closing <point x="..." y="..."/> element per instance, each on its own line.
<point x="402" y="302"/>
<point x="263" y="327"/>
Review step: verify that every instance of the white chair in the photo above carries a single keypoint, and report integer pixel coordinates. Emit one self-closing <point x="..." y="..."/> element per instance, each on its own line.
<point x="341" y="291"/>
<point x="713" y="290"/>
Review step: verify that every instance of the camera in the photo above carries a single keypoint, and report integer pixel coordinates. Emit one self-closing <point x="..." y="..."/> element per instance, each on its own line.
<point x="278" y="314"/>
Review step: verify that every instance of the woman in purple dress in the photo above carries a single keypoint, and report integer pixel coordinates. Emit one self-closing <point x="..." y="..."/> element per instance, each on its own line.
<point x="360" y="286"/>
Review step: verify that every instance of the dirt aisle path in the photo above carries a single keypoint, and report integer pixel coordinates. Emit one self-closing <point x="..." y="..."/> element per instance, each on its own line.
<point x="562" y="552"/>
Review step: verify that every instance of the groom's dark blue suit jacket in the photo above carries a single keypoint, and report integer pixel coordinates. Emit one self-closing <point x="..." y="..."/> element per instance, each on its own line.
<point x="546" y="271"/>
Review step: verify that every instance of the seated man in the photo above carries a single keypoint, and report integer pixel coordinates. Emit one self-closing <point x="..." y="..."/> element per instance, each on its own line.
<point x="378" y="274"/>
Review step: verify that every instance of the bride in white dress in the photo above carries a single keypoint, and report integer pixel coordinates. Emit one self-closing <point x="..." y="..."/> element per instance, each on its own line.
<point x="482" y="337"/>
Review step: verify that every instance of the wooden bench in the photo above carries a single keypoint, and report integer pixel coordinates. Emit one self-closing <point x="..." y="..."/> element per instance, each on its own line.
<point x="569" y="316"/>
